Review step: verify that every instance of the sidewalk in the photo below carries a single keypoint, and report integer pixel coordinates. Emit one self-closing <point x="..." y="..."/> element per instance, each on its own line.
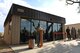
<point x="72" y="46"/>
<point x="24" y="48"/>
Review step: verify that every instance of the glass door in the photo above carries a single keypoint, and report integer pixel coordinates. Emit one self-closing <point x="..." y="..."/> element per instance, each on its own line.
<point x="24" y="31"/>
<point x="49" y="31"/>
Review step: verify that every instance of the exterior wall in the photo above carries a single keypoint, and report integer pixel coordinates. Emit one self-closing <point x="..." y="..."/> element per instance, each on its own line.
<point x="7" y="34"/>
<point x="76" y="26"/>
<point x="12" y="36"/>
<point x="12" y="33"/>
<point x="63" y="28"/>
<point x="15" y="29"/>
<point x="33" y="14"/>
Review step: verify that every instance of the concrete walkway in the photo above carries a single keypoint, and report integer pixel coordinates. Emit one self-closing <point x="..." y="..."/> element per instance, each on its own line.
<point x="24" y="48"/>
<point x="72" y="46"/>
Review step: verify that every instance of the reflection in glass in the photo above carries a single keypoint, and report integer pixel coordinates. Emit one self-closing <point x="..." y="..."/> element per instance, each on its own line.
<point x="25" y="23"/>
<point x="59" y="27"/>
<point x="30" y="25"/>
<point x="25" y="30"/>
<point x="50" y="27"/>
<point x="55" y="27"/>
<point x="35" y="24"/>
<point x="43" y="25"/>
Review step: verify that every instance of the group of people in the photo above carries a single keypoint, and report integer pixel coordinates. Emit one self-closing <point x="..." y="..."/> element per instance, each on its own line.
<point x="72" y="33"/>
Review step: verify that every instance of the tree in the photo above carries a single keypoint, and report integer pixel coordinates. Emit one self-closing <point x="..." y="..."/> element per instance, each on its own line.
<point x="71" y="2"/>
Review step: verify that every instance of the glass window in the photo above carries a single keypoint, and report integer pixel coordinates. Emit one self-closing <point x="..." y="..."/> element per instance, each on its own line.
<point x="30" y="26"/>
<point x="35" y="24"/>
<point x="55" y="27"/>
<point x="59" y="27"/>
<point x="25" y="23"/>
<point x="50" y="27"/>
<point x="43" y="25"/>
<point x="25" y="30"/>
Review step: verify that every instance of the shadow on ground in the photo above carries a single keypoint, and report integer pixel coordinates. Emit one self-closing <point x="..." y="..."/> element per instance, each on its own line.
<point x="22" y="48"/>
<point x="61" y="48"/>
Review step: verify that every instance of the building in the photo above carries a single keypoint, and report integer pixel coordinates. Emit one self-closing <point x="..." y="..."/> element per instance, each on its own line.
<point x="20" y="17"/>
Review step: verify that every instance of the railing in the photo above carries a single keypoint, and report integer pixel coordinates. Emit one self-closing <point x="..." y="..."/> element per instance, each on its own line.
<point x="59" y="35"/>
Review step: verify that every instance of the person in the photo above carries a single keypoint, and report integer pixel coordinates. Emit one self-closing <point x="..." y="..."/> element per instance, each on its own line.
<point x="51" y="35"/>
<point x="68" y="33"/>
<point x="23" y="38"/>
<point x="78" y="33"/>
<point x="72" y="32"/>
<point x="74" y="35"/>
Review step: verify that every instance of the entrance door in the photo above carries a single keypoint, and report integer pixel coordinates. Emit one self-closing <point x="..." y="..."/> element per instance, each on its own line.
<point x="57" y="29"/>
<point x="28" y="28"/>
<point x="49" y="31"/>
<point x="25" y="31"/>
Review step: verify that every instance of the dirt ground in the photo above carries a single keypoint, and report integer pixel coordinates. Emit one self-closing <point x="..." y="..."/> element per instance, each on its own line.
<point x="4" y="48"/>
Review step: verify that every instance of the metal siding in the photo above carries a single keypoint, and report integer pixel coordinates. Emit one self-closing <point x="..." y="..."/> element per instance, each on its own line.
<point x="35" y="14"/>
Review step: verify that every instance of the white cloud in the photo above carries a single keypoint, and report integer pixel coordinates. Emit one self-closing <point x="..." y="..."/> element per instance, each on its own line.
<point x="56" y="7"/>
<point x="61" y="9"/>
<point x="5" y="6"/>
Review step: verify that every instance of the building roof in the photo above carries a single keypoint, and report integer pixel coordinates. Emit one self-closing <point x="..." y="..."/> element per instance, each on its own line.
<point x="73" y="24"/>
<point x="32" y="13"/>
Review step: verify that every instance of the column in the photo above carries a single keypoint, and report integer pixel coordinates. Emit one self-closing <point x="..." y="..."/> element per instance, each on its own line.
<point x="15" y="29"/>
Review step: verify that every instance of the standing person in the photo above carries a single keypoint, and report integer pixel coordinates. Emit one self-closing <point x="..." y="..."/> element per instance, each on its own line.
<point x="75" y="34"/>
<point x="72" y="32"/>
<point x="78" y="33"/>
<point x="68" y="33"/>
<point x="23" y="36"/>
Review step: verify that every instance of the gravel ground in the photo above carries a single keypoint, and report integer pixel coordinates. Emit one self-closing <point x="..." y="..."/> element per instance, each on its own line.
<point x="4" y="48"/>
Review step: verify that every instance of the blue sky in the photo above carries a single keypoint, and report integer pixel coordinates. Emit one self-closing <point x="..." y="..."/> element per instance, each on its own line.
<point x="39" y="3"/>
<point x="33" y="3"/>
<point x="56" y="7"/>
